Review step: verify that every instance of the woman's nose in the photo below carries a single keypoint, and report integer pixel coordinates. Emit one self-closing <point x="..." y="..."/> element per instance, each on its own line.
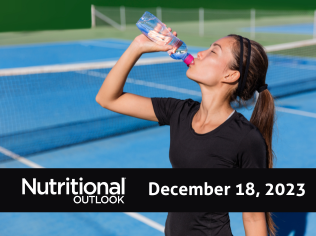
<point x="200" y="54"/>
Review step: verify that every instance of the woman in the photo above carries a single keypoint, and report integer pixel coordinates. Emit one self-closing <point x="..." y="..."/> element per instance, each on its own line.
<point x="210" y="134"/>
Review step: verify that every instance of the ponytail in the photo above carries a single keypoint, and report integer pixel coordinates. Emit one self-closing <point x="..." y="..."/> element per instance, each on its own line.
<point x="263" y="118"/>
<point x="251" y="57"/>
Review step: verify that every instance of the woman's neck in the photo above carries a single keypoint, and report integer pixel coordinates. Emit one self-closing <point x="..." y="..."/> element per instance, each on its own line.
<point x="214" y="109"/>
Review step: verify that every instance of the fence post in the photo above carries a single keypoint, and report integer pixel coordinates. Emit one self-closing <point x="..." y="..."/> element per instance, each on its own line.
<point x="123" y="20"/>
<point x="314" y="33"/>
<point x="253" y="24"/>
<point x="201" y="21"/>
<point x="159" y="13"/>
<point x="92" y="16"/>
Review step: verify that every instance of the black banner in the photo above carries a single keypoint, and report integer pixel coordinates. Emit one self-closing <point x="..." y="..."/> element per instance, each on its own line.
<point x="158" y="190"/>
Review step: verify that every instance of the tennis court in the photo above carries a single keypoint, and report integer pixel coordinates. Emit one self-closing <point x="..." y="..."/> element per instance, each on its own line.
<point x="63" y="127"/>
<point x="306" y="28"/>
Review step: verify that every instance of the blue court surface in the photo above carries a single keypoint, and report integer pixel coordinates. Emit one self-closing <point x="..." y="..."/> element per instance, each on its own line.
<point x="305" y="28"/>
<point x="69" y="52"/>
<point x="293" y="144"/>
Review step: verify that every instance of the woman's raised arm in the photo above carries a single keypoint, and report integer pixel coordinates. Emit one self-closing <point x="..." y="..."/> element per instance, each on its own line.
<point x="110" y="95"/>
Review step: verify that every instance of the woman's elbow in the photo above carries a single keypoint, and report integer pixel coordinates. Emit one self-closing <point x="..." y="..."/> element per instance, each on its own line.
<point x="101" y="101"/>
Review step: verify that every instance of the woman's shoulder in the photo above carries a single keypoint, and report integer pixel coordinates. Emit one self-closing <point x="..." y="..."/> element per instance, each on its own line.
<point x="245" y="124"/>
<point x="252" y="146"/>
<point x="187" y="106"/>
<point x="248" y="133"/>
<point x="175" y="102"/>
<point x="251" y="139"/>
<point x="168" y="108"/>
<point x="189" y="102"/>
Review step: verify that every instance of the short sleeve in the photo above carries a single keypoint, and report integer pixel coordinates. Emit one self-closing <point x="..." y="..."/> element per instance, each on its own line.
<point x="252" y="151"/>
<point x="164" y="108"/>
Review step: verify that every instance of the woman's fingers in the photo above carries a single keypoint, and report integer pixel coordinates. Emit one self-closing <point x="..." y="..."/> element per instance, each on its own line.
<point x="170" y="29"/>
<point x="174" y="33"/>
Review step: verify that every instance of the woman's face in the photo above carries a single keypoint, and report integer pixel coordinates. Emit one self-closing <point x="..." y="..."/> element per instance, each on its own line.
<point x="210" y="66"/>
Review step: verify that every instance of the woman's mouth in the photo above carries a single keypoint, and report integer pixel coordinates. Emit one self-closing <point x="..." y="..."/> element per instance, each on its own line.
<point x="192" y="62"/>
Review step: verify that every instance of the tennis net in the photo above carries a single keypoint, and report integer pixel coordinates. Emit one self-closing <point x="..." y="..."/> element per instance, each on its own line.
<point x="48" y="107"/>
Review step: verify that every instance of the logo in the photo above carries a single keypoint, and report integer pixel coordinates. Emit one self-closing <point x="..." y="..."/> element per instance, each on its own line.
<point x="83" y="192"/>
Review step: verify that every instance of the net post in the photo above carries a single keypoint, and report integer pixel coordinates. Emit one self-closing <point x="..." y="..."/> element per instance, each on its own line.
<point x="252" y="23"/>
<point x="159" y="13"/>
<point x="314" y="33"/>
<point x="123" y="20"/>
<point x="92" y="16"/>
<point x="201" y="21"/>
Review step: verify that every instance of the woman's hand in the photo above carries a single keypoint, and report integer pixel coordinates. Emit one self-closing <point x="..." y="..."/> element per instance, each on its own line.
<point x="145" y="45"/>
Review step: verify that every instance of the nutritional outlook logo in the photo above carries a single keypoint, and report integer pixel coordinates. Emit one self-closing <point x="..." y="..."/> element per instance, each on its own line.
<point x="89" y="192"/>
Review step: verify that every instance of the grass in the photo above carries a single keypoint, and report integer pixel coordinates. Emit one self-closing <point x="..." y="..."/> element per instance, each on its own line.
<point x="187" y="31"/>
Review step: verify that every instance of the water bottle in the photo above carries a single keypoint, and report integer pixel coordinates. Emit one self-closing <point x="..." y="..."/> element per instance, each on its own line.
<point x="156" y="31"/>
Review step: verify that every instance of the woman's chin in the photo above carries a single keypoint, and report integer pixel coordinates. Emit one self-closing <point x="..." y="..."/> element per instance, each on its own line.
<point x="190" y="76"/>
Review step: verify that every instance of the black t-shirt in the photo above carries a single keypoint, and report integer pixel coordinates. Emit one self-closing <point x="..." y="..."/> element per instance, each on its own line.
<point x="236" y="143"/>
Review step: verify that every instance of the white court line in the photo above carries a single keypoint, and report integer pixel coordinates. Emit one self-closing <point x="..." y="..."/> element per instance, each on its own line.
<point x="29" y="163"/>
<point x="146" y="220"/>
<point x="187" y="91"/>
<point x="19" y="158"/>
<point x="284" y="46"/>
<point x="81" y="66"/>
<point x="109" y="64"/>
<point x="146" y="83"/>
<point x="296" y="112"/>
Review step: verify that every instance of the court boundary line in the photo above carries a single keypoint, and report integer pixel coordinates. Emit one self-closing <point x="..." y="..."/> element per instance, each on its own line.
<point x="19" y="158"/>
<point x="109" y="64"/>
<point x="145" y="83"/>
<point x="296" y="112"/>
<point x="187" y="91"/>
<point x="134" y="215"/>
<point x="146" y="220"/>
<point x="284" y="46"/>
<point x="81" y="66"/>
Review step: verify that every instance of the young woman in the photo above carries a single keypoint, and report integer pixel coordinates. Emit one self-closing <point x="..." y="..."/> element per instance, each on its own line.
<point x="210" y="134"/>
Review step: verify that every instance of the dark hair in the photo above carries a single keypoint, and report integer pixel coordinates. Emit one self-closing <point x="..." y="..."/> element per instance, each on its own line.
<point x="263" y="113"/>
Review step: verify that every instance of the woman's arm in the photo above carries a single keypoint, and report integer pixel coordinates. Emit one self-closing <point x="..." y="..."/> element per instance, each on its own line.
<point x="255" y="223"/>
<point x="111" y="95"/>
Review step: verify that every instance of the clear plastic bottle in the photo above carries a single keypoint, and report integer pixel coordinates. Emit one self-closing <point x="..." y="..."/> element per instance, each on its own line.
<point x="156" y="31"/>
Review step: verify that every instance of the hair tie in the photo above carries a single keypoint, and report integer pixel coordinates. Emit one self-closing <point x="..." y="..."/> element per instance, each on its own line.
<point x="263" y="87"/>
<point x="242" y="80"/>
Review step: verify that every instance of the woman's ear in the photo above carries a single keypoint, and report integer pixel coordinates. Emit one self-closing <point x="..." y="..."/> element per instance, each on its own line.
<point x="231" y="76"/>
